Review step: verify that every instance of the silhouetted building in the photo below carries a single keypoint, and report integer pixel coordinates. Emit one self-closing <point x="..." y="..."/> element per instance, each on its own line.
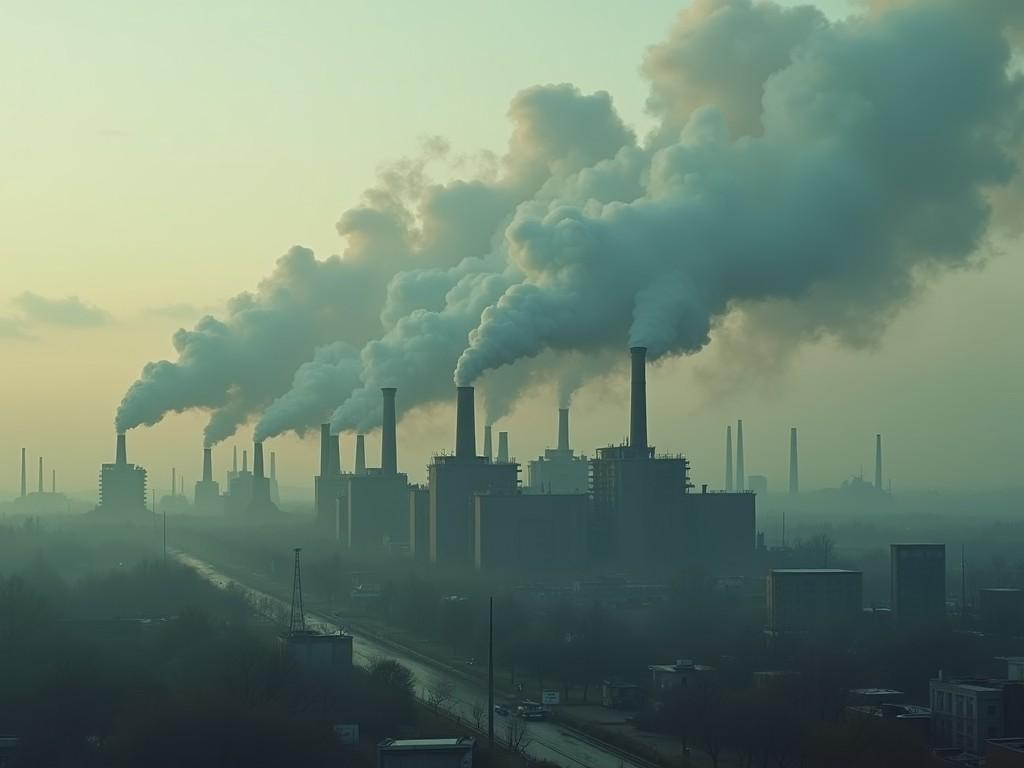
<point x="419" y="522"/>
<point x="207" y="493"/>
<point x="330" y="486"/>
<point x="122" y="485"/>
<point x="531" y="532"/>
<point x="426" y="753"/>
<point x="240" y="489"/>
<point x="918" y="583"/>
<point x="453" y="481"/>
<point x="968" y="711"/>
<point x="757" y="484"/>
<point x="813" y="599"/>
<point x="717" y="532"/>
<point x="794" y="465"/>
<point x="1002" y="610"/>
<point x="558" y="470"/>
<point x="260" y="504"/>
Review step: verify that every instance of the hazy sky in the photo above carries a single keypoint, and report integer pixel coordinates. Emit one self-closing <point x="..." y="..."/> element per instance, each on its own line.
<point x="157" y="160"/>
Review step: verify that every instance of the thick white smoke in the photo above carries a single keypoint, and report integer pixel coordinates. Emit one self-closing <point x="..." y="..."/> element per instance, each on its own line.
<point x="858" y="167"/>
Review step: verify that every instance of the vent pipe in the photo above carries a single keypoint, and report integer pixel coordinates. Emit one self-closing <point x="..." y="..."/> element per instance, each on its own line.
<point x="741" y="481"/>
<point x="878" y="462"/>
<point x="638" y="401"/>
<point x="122" y="451"/>
<point x="325" y="450"/>
<point x="388" y="437"/>
<point x="794" y="472"/>
<point x="465" y="425"/>
<point x="503" y="447"/>
<point x="24" y="488"/>
<point x="207" y="465"/>
<point x="360" y="455"/>
<point x="563" y="430"/>
<point x="728" y="459"/>
<point x="488" y="451"/>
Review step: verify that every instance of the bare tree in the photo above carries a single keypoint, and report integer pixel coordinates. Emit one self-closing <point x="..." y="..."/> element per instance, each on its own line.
<point x="439" y="694"/>
<point x="517" y="734"/>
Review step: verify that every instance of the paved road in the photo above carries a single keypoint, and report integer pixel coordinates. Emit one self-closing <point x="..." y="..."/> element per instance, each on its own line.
<point x="548" y="741"/>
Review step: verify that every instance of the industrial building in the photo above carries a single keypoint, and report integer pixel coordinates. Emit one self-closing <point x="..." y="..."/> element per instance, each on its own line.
<point x="40" y="501"/>
<point x="240" y="487"/>
<point x="918" y="583"/>
<point x="558" y="470"/>
<point x="261" y="506"/>
<point x="377" y="500"/>
<point x="966" y="712"/>
<point x="1002" y="610"/>
<point x="329" y="485"/>
<point x="426" y="753"/>
<point x="813" y="599"/>
<point x="122" y="485"/>
<point x="207" y="497"/>
<point x="419" y="522"/>
<point x="454" y="480"/>
<point x="517" y="532"/>
<point x="718" y="532"/>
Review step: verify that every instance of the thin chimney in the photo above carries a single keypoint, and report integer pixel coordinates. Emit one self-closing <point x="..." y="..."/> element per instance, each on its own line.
<point x="728" y="459"/>
<point x="741" y="480"/>
<point x="53" y="481"/>
<point x="794" y="471"/>
<point x="245" y="461"/>
<point x="325" y="450"/>
<point x="465" y="425"/>
<point x="40" y="474"/>
<point x="563" y="430"/>
<point x="273" y="465"/>
<point x="503" y="447"/>
<point x="488" y="451"/>
<point x="207" y="465"/>
<point x="24" y="488"/>
<point x="638" y="401"/>
<point x="122" y="451"/>
<point x="174" y="481"/>
<point x="334" y="468"/>
<point x="234" y="459"/>
<point x="388" y="437"/>
<point x="360" y="466"/>
<point x="878" y="462"/>
<point x="257" y="459"/>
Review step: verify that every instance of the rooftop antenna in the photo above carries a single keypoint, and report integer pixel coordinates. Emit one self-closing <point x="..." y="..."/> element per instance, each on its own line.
<point x="297" y="620"/>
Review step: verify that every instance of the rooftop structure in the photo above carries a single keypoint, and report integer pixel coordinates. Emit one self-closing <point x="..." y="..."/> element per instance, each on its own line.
<point x="918" y="583"/>
<point x="122" y="485"/>
<point x="559" y="470"/>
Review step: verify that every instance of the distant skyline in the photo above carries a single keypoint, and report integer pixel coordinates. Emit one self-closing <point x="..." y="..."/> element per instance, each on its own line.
<point x="158" y="162"/>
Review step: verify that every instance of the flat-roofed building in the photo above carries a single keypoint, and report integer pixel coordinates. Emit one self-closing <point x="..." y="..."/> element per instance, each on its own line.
<point x="813" y="599"/>
<point x="918" y="583"/>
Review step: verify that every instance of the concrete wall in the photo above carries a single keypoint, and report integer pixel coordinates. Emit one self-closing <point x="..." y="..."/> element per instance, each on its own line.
<point x="531" y="532"/>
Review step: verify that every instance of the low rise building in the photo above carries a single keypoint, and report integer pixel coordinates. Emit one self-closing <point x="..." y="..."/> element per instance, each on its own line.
<point x="967" y="712"/>
<point x="813" y="599"/>
<point x="426" y="753"/>
<point x="682" y="674"/>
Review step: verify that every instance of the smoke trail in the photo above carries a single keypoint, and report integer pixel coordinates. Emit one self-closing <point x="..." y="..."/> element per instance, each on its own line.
<point x="858" y="167"/>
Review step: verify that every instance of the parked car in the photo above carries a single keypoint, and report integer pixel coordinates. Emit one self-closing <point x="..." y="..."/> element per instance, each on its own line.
<point x="501" y="709"/>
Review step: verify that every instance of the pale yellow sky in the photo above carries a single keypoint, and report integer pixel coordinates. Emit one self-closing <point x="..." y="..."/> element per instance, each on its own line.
<point x="155" y="158"/>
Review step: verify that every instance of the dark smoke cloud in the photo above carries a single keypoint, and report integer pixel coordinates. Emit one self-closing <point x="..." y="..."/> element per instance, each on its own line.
<point x="68" y="311"/>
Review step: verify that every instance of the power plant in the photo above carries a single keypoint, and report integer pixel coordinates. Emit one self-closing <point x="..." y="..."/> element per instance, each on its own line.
<point x="558" y="470"/>
<point x="122" y="485"/>
<point x="207" y="497"/>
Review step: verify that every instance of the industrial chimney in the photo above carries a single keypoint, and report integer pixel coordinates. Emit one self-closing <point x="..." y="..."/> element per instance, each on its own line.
<point x="388" y="438"/>
<point x="40" y="474"/>
<point x="207" y="465"/>
<point x="360" y="467"/>
<point x="878" y="462"/>
<point x="794" y="472"/>
<point x="563" y="430"/>
<point x="488" y="452"/>
<point x="334" y="465"/>
<point x="728" y="458"/>
<point x="234" y="460"/>
<point x="245" y="461"/>
<point x="325" y="450"/>
<point x="122" y="451"/>
<point x="273" y="465"/>
<point x="174" y="481"/>
<point x="638" y="401"/>
<point x="257" y="459"/>
<point x="503" y="447"/>
<point x="24" y="489"/>
<point x="465" y="425"/>
<point x="741" y="480"/>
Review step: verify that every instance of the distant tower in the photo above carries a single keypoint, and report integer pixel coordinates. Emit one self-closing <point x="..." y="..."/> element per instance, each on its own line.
<point x="728" y="459"/>
<point x="174" y="482"/>
<point x="297" y="620"/>
<point x="360" y="466"/>
<point x="878" y="462"/>
<point x="794" y="476"/>
<point x="563" y="430"/>
<point x="24" y="489"/>
<point x="53" y="481"/>
<point x="40" y="474"/>
<point x="503" y="447"/>
<point x="488" y="449"/>
<point x="245" y="461"/>
<point x="741" y="482"/>
<point x="234" y="460"/>
<point x="388" y="438"/>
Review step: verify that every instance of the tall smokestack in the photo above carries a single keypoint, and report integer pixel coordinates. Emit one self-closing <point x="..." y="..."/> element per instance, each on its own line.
<point x="273" y="465"/>
<point x="741" y="480"/>
<point x="174" y="481"/>
<point x="638" y="401"/>
<point x="878" y="462"/>
<point x="53" y="481"/>
<point x="360" y="467"/>
<point x="325" y="450"/>
<point x="503" y="447"/>
<point x="794" y="471"/>
<point x="728" y="458"/>
<point x="40" y="474"/>
<point x="245" y="460"/>
<point x="234" y="459"/>
<point x="488" y="452"/>
<point x="334" y="467"/>
<point x="24" y="488"/>
<point x="388" y="438"/>
<point x="563" y="430"/>
<point x="257" y="459"/>
<point x="465" y="425"/>
<point x="122" y="451"/>
<point x="207" y="465"/>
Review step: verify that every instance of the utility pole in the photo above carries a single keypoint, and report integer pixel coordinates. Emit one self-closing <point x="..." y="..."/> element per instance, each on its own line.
<point x="490" y="674"/>
<point x="297" y="620"/>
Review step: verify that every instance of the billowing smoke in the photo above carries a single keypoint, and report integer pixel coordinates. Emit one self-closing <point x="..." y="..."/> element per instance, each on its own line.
<point x="857" y="166"/>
